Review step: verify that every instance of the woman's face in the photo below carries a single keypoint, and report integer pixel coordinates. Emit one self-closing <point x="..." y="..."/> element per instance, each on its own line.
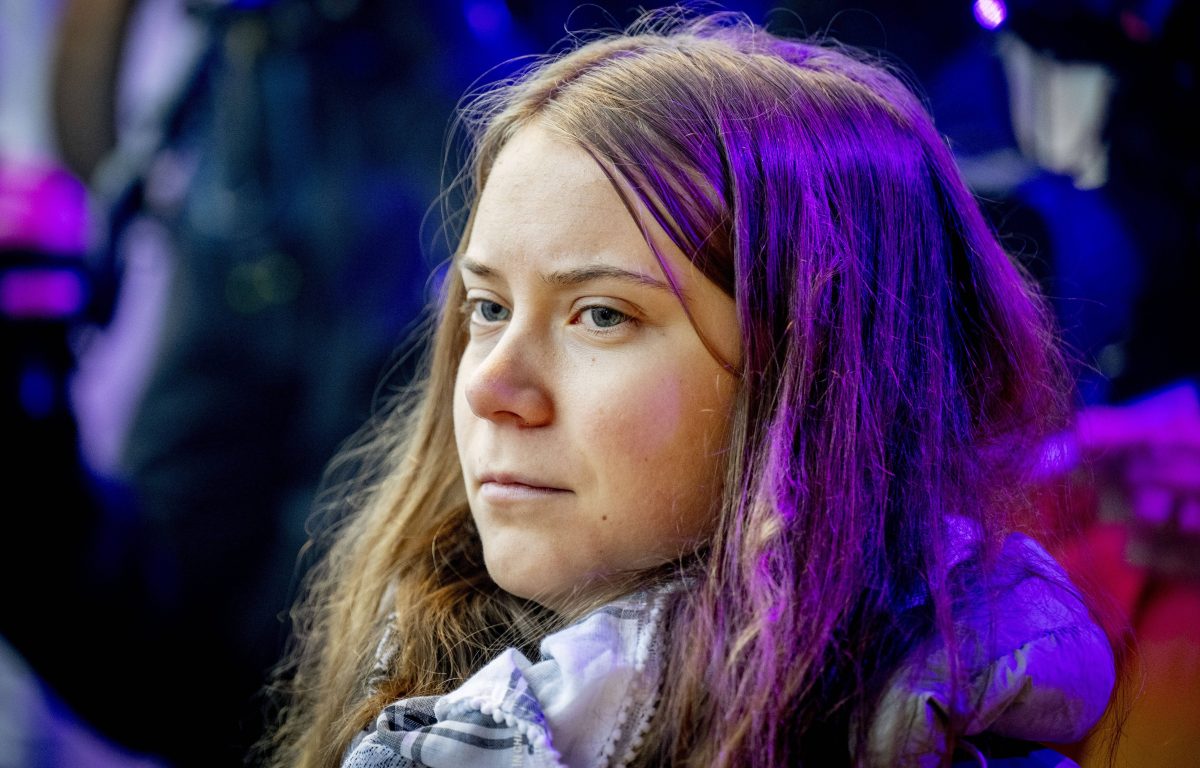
<point x="590" y="418"/>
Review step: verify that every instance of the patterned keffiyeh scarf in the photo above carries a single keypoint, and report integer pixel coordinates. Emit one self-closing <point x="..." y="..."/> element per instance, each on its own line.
<point x="587" y="702"/>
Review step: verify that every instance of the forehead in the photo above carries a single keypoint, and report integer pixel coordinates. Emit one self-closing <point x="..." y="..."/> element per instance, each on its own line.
<point x="546" y="196"/>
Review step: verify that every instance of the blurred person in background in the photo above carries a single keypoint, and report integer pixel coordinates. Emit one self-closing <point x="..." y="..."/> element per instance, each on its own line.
<point x="50" y="518"/>
<point x="259" y="258"/>
<point x="1132" y="460"/>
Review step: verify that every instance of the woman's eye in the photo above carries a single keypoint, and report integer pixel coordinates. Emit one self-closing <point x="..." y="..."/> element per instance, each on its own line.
<point x="604" y="317"/>
<point x="491" y="311"/>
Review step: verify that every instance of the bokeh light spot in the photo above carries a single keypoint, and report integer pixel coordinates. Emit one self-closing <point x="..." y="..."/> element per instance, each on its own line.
<point x="990" y="13"/>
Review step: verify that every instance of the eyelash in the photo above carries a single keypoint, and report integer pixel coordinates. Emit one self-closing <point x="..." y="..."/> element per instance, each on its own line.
<point x="472" y="307"/>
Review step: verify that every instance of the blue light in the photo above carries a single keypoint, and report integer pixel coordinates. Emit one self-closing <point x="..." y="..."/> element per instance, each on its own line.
<point x="990" y="13"/>
<point x="37" y="391"/>
<point x="488" y="19"/>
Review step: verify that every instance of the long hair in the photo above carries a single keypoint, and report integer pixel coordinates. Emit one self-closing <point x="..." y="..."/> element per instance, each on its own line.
<point x="897" y="367"/>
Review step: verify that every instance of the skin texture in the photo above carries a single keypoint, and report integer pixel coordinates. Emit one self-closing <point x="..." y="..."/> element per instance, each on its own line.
<point x="589" y="416"/>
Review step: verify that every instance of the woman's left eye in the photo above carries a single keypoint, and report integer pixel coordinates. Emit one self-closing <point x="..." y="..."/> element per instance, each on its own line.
<point x="601" y="317"/>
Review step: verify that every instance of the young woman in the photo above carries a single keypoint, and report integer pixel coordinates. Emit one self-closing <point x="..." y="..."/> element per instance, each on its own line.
<point x="722" y="447"/>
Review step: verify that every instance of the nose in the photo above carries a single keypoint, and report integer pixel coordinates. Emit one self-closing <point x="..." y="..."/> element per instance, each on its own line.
<point x="508" y="384"/>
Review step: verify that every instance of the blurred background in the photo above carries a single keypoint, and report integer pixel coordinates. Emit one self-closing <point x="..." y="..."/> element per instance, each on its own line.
<point x="217" y="227"/>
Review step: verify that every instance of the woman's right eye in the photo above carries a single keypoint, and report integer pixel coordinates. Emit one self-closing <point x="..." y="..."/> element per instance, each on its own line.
<point x="488" y="311"/>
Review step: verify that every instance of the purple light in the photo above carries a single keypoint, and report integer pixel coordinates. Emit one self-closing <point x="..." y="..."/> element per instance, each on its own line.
<point x="42" y="208"/>
<point x="42" y="294"/>
<point x="990" y="13"/>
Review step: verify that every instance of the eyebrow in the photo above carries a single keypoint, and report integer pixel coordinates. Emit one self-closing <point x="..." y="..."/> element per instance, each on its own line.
<point x="578" y="275"/>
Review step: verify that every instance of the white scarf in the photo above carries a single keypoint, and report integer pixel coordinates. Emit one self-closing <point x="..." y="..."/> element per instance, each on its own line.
<point x="588" y="702"/>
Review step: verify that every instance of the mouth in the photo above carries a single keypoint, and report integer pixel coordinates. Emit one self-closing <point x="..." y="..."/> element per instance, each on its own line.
<point x="504" y="486"/>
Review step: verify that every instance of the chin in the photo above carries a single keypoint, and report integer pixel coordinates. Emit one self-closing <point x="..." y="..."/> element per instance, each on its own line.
<point x="518" y="583"/>
<point x="551" y="601"/>
<point x="562" y="599"/>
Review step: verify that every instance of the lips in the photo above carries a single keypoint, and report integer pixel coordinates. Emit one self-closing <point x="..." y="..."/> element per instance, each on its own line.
<point x="515" y="479"/>
<point x="508" y="487"/>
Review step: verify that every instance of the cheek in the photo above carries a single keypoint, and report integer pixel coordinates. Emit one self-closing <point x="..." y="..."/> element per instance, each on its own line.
<point x="663" y="410"/>
<point x="661" y="442"/>
<point x="637" y="423"/>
